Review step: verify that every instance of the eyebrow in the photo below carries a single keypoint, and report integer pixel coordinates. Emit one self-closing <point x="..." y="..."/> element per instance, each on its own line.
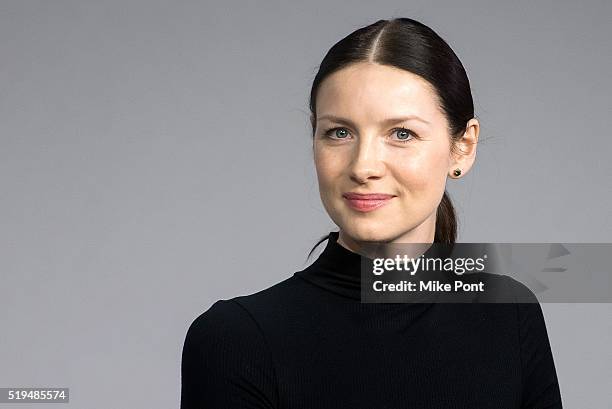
<point x="385" y="122"/>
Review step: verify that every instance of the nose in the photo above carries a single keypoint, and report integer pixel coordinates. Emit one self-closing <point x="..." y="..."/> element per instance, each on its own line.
<point x="367" y="160"/>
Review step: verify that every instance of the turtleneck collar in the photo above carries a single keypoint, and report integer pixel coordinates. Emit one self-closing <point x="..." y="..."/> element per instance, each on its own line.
<point x="338" y="269"/>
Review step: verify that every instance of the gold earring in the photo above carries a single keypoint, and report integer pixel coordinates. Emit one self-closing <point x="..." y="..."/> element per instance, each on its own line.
<point x="457" y="172"/>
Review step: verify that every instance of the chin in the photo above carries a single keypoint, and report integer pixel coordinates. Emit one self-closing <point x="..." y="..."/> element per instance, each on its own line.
<point x="367" y="231"/>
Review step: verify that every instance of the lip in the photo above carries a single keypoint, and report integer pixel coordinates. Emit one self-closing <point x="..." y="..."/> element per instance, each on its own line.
<point x="366" y="202"/>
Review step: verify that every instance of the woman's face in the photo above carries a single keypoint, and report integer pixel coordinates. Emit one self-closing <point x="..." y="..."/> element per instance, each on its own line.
<point x="380" y="129"/>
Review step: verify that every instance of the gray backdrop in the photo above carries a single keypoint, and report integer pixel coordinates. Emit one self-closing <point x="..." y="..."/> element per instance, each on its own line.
<point x="155" y="157"/>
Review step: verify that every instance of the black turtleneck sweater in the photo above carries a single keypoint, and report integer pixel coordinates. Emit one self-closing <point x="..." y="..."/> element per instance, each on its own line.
<point x="309" y="342"/>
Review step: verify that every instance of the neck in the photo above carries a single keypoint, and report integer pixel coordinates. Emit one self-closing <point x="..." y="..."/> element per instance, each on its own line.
<point x="423" y="233"/>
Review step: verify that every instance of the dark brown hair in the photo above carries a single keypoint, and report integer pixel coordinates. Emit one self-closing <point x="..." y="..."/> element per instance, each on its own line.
<point x="412" y="46"/>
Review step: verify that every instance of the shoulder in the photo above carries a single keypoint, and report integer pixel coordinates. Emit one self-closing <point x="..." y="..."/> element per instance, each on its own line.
<point x="215" y="342"/>
<point x="224" y="323"/>
<point x="236" y="317"/>
<point x="226" y="361"/>
<point x="539" y="377"/>
<point x="540" y="386"/>
<point x="519" y="291"/>
<point x="275" y="301"/>
<point x="529" y="317"/>
<point x="222" y="314"/>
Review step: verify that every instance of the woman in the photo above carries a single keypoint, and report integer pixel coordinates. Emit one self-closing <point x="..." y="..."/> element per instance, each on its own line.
<point x="392" y="118"/>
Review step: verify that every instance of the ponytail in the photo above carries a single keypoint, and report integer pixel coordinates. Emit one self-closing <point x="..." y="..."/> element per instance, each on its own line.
<point x="446" y="222"/>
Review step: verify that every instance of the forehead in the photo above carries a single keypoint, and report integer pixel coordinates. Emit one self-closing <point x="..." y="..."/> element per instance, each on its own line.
<point x="372" y="91"/>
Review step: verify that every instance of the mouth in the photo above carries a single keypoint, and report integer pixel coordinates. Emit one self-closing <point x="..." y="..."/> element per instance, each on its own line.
<point x="363" y="202"/>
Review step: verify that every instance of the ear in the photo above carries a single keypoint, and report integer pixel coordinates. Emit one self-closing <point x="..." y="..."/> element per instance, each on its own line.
<point x="464" y="154"/>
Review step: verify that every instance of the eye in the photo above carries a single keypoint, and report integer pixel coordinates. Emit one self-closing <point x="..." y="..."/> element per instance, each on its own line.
<point x="404" y="135"/>
<point x="338" y="133"/>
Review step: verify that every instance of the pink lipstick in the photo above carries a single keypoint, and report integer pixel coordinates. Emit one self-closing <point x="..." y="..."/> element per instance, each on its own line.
<point x="366" y="202"/>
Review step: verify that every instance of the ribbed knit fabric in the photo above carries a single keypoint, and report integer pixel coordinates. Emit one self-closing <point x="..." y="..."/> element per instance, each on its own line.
<point x="308" y="342"/>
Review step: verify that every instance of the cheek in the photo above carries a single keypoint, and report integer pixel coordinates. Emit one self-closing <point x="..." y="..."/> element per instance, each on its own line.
<point x="328" y="167"/>
<point x="424" y="172"/>
<point x="329" y="171"/>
